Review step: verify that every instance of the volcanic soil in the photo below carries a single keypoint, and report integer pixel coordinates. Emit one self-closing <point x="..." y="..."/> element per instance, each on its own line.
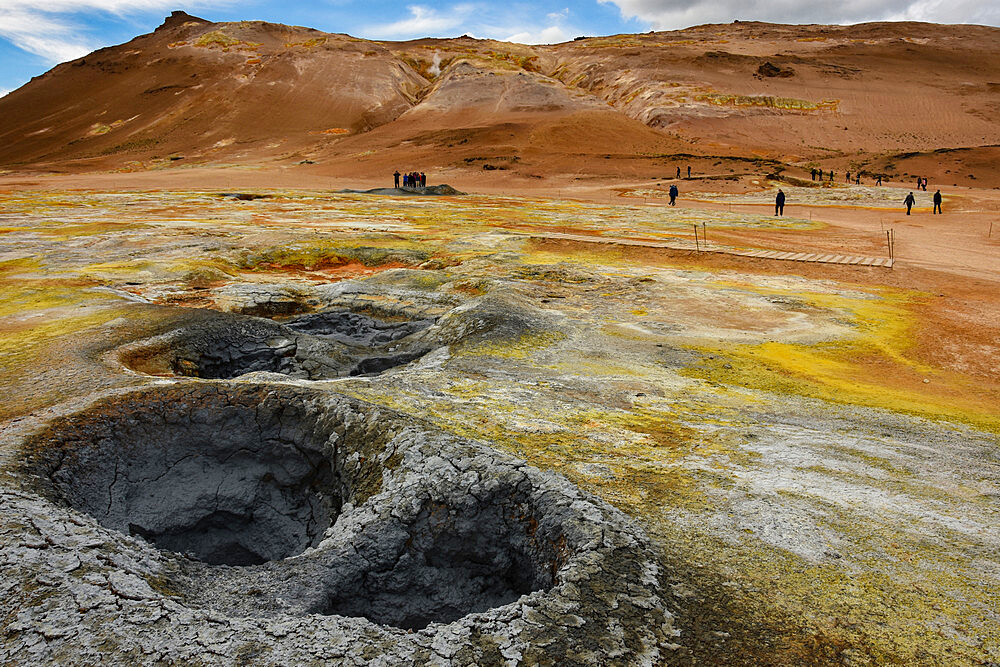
<point x="812" y="447"/>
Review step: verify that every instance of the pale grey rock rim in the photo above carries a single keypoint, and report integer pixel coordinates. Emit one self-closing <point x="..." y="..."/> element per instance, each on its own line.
<point x="76" y="592"/>
<point x="226" y="345"/>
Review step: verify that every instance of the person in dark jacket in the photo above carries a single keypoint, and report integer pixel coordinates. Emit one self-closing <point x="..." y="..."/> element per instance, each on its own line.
<point x="909" y="201"/>
<point x="395" y="178"/>
<point x="779" y="203"/>
<point x="937" y="203"/>
<point x="673" y="195"/>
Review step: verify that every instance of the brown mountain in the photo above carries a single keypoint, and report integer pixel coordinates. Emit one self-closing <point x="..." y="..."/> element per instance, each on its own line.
<point x="879" y="96"/>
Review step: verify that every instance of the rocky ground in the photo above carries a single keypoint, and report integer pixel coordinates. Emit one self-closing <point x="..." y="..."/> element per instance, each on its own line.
<point x="312" y="527"/>
<point x="767" y="464"/>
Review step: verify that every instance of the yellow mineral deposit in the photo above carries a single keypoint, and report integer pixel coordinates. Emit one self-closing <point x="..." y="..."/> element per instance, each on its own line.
<point x="808" y="433"/>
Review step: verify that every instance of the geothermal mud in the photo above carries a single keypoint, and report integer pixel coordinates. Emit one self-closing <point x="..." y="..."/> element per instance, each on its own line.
<point x="286" y="525"/>
<point x="317" y="346"/>
<point x="813" y="450"/>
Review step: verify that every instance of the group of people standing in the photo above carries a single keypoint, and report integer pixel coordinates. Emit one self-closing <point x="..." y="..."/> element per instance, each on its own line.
<point x="413" y="179"/>
<point x="817" y="174"/>
<point x="908" y="202"/>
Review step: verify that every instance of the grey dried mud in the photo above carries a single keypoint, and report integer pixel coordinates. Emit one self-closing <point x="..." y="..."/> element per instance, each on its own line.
<point x="231" y="487"/>
<point x="317" y="346"/>
<point x="374" y="540"/>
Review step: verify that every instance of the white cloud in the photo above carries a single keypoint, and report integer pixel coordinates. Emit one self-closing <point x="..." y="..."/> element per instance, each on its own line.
<point x="951" y="11"/>
<point x="4" y="91"/>
<point x="476" y="19"/>
<point x="423" y="22"/>
<point x="675" y="14"/>
<point x="41" y="28"/>
<point x="557" y="30"/>
<point x="551" y="35"/>
<point x="53" y="40"/>
<point x="120" y="7"/>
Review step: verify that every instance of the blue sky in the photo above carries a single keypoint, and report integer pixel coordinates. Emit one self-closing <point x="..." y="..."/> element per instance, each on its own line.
<point x="34" y="35"/>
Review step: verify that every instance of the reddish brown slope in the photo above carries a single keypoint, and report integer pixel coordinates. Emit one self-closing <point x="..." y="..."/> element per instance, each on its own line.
<point x="843" y="97"/>
<point x="801" y="91"/>
<point x="491" y="115"/>
<point x="218" y="91"/>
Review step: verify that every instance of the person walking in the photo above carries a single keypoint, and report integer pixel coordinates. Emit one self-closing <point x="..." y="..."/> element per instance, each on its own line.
<point x="779" y="203"/>
<point x="395" y="178"/>
<point x="689" y="171"/>
<point x="812" y="174"/>
<point x="937" y="202"/>
<point x="878" y="180"/>
<point x="673" y="195"/>
<point x="925" y="184"/>
<point x="831" y="175"/>
<point x="678" y="172"/>
<point x="848" y="177"/>
<point x="909" y="201"/>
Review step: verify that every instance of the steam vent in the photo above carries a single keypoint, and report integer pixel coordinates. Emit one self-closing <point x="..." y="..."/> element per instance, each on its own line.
<point x="195" y="522"/>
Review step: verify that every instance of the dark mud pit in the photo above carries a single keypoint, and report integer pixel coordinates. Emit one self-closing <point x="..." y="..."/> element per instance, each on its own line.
<point x="234" y="487"/>
<point x="267" y="507"/>
<point x="361" y="331"/>
<point x="317" y="346"/>
<point x="353" y="328"/>
<point x="248" y="477"/>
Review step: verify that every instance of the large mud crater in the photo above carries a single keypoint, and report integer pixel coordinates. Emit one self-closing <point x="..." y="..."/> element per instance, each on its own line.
<point x="266" y="504"/>
<point x="245" y="477"/>
<point x="226" y="484"/>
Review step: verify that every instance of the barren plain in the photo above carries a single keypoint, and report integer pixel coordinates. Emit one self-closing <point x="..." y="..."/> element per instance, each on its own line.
<point x="771" y="460"/>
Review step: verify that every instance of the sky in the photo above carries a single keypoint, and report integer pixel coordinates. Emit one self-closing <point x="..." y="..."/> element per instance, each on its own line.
<point x="36" y="35"/>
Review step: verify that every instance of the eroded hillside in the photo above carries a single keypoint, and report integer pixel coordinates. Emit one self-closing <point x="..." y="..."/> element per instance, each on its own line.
<point x="878" y="97"/>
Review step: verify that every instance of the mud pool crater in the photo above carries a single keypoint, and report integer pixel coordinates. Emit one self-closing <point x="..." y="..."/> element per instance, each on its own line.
<point x="315" y="346"/>
<point x="235" y="486"/>
<point x="242" y="482"/>
<point x="345" y="523"/>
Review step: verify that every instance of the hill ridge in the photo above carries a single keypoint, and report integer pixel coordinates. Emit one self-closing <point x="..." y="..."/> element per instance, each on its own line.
<point x="194" y="91"/>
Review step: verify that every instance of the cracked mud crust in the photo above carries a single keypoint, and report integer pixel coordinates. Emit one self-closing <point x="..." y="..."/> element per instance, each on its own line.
<point x="327" y="344"/>
<point x="409" y="546"/>
<point x="813" y="452"/>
